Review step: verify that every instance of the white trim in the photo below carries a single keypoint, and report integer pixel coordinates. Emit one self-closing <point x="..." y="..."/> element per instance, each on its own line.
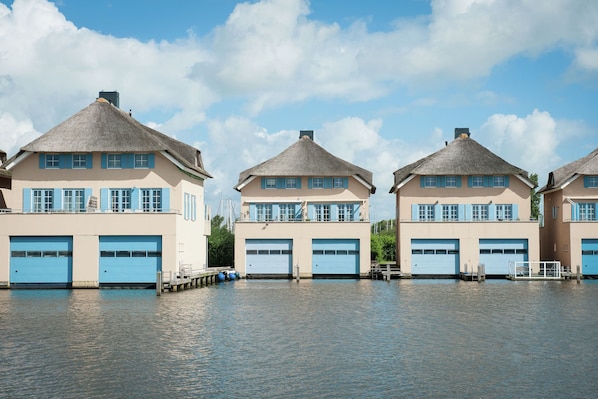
<point x="18" y="160"/>
<point x="401" y="184"/>
<point x="245" y="183"/>
<point x="181" y="166"/>
<point x="359" y="179"/>
<point x="280" y="200"/>
<point x="526" y="181"/>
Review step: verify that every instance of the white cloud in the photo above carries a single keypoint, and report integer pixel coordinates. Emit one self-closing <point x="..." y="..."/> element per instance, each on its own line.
<point x="15" y="133"/>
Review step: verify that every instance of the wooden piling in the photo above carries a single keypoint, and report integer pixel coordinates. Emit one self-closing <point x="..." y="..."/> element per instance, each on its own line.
<point x="297" y="277"/>
<point x="159" y="283"/>
<point x="578" y="272"/>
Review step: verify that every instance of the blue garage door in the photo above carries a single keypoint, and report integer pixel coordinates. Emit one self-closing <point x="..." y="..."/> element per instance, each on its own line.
<point x="589" y="257"/>
<point x="435" y="257"/>
<point x="335" y="257"/>
<point x="269" y="257"/>
<point x="130" y="259"/>
<point x="41" y="260"/>
<point x="497" y="254"/>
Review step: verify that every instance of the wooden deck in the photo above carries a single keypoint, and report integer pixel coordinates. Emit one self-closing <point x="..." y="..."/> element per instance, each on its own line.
<point x="187" y="278"/>
<point x="385" y="272"/>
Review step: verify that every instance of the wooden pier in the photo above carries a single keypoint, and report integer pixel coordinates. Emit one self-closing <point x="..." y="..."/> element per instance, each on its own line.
<point x="478" y="274"/>
<point x="187" y="278"/>
<point x="385" y="272"/>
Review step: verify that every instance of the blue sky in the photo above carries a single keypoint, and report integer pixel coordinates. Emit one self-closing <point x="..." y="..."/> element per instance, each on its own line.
<point x="382" y="83"/>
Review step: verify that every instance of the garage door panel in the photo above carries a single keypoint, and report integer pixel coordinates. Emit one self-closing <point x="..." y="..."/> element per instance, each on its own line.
<point x="41" y="260"/>
<point x="269" y="257"/>
<point x="130" y="259"/>
<point x="589" y="256"/>
<point x="434" y="257"/>
<point x="335" y="256"/>
<point x="497" y="254"/>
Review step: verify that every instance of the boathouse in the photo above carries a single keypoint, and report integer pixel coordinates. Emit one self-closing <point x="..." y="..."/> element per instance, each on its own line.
<point x="460" y="207"/>
<point x="102" y="200"/>
<point x="304" y="211"/>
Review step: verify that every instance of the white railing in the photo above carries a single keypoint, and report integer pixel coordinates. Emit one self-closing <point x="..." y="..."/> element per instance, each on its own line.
<point x="539" y="269"/>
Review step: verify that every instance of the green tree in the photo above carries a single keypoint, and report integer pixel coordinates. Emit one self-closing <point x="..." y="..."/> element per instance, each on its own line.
<point x="221" y="244"/>
<point x="383" y="241"/>
<point x="535" y="198"/>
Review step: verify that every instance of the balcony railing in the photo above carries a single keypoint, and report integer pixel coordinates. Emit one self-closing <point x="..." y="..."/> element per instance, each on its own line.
<point x="247" y="219"/>
<point x="94" y="210"/>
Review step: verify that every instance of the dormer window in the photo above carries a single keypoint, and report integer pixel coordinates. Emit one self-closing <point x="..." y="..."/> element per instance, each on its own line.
<point x="114" y="161"/>
<point x="429" y="181"/>
<point x="52" y="161"/>
<point x="141" y="161"/>
<point x="498" y="181"/>
<point x="477" y="181"/>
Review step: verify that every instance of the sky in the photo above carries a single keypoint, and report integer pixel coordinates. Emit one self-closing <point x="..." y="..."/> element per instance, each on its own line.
<point x="381" y="83"/>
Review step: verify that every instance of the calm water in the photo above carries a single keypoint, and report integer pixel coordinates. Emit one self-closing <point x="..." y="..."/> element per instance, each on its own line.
<point x="312" y="339"/>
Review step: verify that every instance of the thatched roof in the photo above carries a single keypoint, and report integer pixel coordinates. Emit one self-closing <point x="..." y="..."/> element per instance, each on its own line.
<point x="306" y="158"/>
<point x="587" y="165"/>
<point x="102" y="127"/>
<point x="461" y="157"/>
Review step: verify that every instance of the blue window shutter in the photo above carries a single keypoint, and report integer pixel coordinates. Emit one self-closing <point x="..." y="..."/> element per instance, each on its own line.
<point x="298" y="182"/>
<point x="328" y="182"/>
<point x="298" y="215"/>
<point x="468" y="212"/>
<point x="281" y="182"/>
<point x="252" y="212"/>
<point x="438" y="212"/>
<point x="309" y="182"/>
<point x="42" y="160"/>
<point x="506" y="181"/>
<point x="515" y="211"/>
<point x="89" y="161"/>
<point x="151" y="161"/>
<point x="492" y="212"/>
<point x="488" y="181"/>
<point x="87" y="193"/>
<point x="104" y="160"/>
<point x="27" y="200"/>
<point x="334" y="212"/>
<point x="574" y="212"/>
<point x="586" y="181"/>
<point x="127" y="161"/>
<point x="166" y="199"/>
<point x="414" y="212"/>
<point x="310" y="211"/>
<point x="263" y="183"/>
<point x="65" y="161"/>
<point x="461" y="212"/>
<point x="356" y="211"/>
<point x="469" y="181"/>
<point x="135" y="198"/>
<point x="345" y="182"/>
<point x="57" y="200"/>
<point x="422" y="181"/>
<point x="104" y="199"/>
<point x="458" y="181"/>
<point x="440" y="181"/>
<point x="275" y="211"/>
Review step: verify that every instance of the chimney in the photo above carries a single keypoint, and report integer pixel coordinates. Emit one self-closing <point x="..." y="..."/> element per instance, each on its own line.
<point x="460" y="131"/>
<point x="2" y="157"/>
<point x="308" y="133"/>
<point x="111" y="96"/>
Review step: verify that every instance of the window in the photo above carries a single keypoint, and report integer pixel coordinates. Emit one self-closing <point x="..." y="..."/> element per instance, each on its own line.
<point x="450" y="181"/>
<point x="286" y="212"/>
<point x="114" y="161"/>
<point x="338" y="182"/>
<point x="450" y="212"/>
<point x="592" y="181"/>
<point x="504" y="212"/>
<point x="477" y="181"/>
<point x="151" y="199"/>
<point x="43" y="200"/>
<point x="322" y="212"/>
<point x="430" y="181"/>
<point x="317" y="182"/>
<point x="141" y="161"/>
<point x="79" y="161"/>
<point x="498" y="181"/>
<point x="480" y="212"/>
<point x="587" y="211"/>
<point x="426" y="213"/>
<point x="52" y="161"/>
<point x="555" y="212"/>
<point x="73" y="200"/>
<point x="291" y="182"/>
<point x="270" y="182"/>
<point x="345" y="213"/>
<point x="120" y="199"/>
<point x="264" y="212"/>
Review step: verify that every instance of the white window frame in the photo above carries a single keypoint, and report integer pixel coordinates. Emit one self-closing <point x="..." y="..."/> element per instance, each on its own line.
<point x="286" y="212"/>
<point x="426" y="212"/>
<point x="337" y="182"/>
<point x="42" y="199"/>
<point x="73" y="199"/>
<point x="587" y="211"/>
<point x="345" y="213"/>
<point x="114" y="161"/>
<point x="450" y="212"/>
<point x="270" y="183"/>
<point x="430" y="181"/>
<point x="52" y="161"/>
<point x="317" y="182"/>
<point x="290" y="182"/>
<point x="592" y="181"/>
<point x="479" y="212"/>
<point x="141" y="161"/>
<point x="120" y="199"/>
<point x="322" y="212"/>
<point x="498" y="181"/>
<point x="264" y="212"/>
<point x="79" y="161"/>
<point x="477" y="181"/>
<point x="151" y="200"/>
<point x="450" y="182"/>
<point x="504" y="212"/>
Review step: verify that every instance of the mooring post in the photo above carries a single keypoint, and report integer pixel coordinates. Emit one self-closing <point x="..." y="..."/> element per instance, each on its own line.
<point x="159" y="283"/>
<point x="297" y="273"/>
<point x="578" y="274"/>
<point x="388" y="272"/>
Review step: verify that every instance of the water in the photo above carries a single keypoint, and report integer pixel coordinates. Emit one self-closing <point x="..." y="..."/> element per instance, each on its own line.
<point x="312" y="339"/>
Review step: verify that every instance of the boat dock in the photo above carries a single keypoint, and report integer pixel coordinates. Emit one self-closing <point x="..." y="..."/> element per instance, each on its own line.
<point x="478" y="274"/>
<point x="187" y="278"/>
<point x="543" y="270"/>
<point x="385" y="272"/>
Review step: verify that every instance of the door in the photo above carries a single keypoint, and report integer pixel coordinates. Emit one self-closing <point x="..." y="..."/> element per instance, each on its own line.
<point x="41" y="260"/>
<point x="269" y="257"/>
<point x="130" y="259"/>
<point x="335" y="257"/>
<point x="434" y="257"/>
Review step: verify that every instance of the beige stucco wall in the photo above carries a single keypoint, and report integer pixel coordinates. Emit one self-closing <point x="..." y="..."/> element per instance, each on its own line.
<point x="302" y="233"/>
<point x="468" y="233"/>
<point x="183" y="241"/>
